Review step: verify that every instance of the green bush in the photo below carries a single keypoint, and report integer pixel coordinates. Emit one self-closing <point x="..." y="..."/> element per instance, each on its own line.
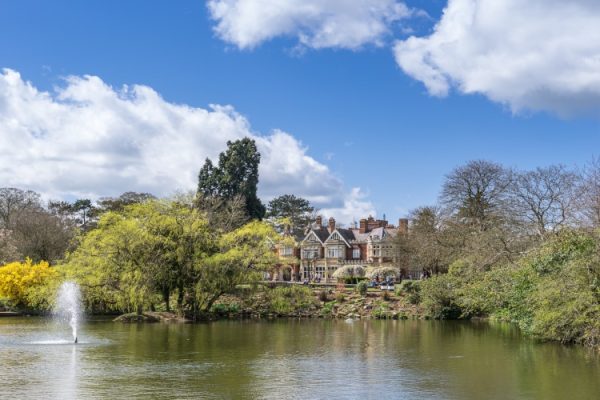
<point x="288" y="299"/>
<point x="439" y="297"/>
<point x="323" y="296"/>
<point x="362" y="288"/>
<point x="411" y="289"/>
<point x="340" y="297"/>
<point x="224" y="308"/>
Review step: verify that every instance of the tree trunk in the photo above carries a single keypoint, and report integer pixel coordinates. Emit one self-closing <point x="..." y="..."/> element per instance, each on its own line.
<point x="167" y="298"/>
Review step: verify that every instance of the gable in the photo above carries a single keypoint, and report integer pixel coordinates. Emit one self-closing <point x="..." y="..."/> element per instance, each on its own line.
<point x="336" y="235"/>
<point x="312" y="237"/>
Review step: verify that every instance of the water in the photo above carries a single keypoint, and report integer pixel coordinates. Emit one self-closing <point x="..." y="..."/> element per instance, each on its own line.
<point x="291" y="360"/>
<point x="68" y="306"/>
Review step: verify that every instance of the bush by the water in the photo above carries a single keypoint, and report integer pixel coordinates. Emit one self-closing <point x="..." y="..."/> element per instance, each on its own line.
<point x="553" y="293"/>
<point x="411" y="289"/>
<point x="288" y="299"/>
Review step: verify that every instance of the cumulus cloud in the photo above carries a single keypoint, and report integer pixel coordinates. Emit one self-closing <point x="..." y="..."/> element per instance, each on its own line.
<point x="317" y="24"/>
<point x="87" y="139"/>
<point x="529" y="55"/>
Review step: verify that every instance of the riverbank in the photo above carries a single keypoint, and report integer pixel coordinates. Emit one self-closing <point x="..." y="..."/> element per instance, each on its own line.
<point x="297" y="302"/>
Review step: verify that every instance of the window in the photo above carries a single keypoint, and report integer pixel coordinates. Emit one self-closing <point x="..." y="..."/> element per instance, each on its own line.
<point x="335" y="236"/>
<point x="310" y="254"/>
<point x="356" y="253"/>
<point x="334" y="252"/>
<point x="286" y="251"/>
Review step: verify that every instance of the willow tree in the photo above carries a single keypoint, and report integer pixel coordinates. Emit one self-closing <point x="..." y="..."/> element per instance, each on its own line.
<point x="146" y="251"/>
<point x="243" y="256"/>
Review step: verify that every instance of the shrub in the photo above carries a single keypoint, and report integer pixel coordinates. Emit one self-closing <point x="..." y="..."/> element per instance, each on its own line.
<point x="224" y="308"/>
<point x="386" y="295"/>
<point x="323" y="295"/>
<point x="340" y="297"/>
<point x="362" y="288"/>
<point x="287" y="299"/>
<point x="412" y="291"/>
<point x="439" y="297"/>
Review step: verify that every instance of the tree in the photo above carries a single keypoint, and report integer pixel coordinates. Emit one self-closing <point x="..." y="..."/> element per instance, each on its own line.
<point x="425" y="243"/>
<point x="42" y="236"/>
<point x="106" y="204"/>
<point x="544" y="198"/>
<point x="242" y="257"/>
<point x="8" y="247"/>
<point x="476" y="193"/>
<point x="13" y="202"/>
<point x="589" y="194"/>
<point x="146" y="250"/>
<point x="236" y="175"/>
<point x="296" y="211"/>
<point x="224" y="215"/>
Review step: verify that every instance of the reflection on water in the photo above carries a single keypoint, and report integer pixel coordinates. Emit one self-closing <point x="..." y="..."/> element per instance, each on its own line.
<point x="291" y="359"/>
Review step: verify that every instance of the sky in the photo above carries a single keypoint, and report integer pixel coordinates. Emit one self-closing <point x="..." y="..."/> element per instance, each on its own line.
<point x="361" y="106"/>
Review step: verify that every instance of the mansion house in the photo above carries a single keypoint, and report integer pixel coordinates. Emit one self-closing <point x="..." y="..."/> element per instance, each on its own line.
<point x="324" y="249"/>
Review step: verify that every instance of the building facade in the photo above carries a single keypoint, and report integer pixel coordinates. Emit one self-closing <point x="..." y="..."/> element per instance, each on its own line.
<point x="325" y="248"/>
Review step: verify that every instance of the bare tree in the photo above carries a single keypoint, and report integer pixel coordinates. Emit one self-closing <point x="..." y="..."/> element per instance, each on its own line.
<point x="476" y="193"/>
<point x="589" y="194"/>
<point x="545" y="198"/>
<point x="225" y="215"/>
<point x="41" y="235"/>
<point x="8" y="247"/>
<point x="14" y="201"/>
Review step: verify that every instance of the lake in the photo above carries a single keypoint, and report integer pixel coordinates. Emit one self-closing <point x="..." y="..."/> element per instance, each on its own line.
<point x="308" y="359"/>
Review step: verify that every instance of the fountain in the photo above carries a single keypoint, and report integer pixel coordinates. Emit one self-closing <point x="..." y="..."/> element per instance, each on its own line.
<point x="68" y="306"/>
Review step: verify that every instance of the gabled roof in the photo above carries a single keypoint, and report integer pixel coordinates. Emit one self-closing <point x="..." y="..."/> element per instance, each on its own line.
<point x="346" y="234"/>
<point x="320" y="234"/>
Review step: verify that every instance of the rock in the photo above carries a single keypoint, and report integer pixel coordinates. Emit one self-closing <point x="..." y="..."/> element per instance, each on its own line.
<point x="136" y="318"/>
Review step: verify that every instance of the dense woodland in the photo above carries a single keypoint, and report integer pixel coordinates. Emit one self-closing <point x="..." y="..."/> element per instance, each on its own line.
<point x="519" y="246"/>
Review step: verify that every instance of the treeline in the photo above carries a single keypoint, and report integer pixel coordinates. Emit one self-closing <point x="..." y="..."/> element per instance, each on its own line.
<point x="136" y="252"/>
<point x="516" y="245"/>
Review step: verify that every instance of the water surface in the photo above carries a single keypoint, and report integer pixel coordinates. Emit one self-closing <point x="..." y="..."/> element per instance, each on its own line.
<point x="289" y="360"/>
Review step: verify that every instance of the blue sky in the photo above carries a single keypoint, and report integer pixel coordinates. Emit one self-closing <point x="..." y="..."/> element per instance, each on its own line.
<point x="364" y="113"/>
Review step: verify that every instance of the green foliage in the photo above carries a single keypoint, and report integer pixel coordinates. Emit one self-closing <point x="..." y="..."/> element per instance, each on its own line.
<point x="225" y="308"/>
<point x="295" y="211"/>
<point x="236" y="175"/>
<point x="361" y="288"/>
<point x="288" y="299"/>
<point x="412" y="290"/>
<point x="340" y="297"/>
<point x="439" y="297"/>
<point x="150" y="251"/>
<point x="552" y="293"/>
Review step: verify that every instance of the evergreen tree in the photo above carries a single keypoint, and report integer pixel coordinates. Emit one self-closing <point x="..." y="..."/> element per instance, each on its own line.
<point x="235" y="175"/>
<point x="297" y="211"/>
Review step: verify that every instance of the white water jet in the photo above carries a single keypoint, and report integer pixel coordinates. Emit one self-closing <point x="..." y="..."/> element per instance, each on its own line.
<point x="68" y="306"/>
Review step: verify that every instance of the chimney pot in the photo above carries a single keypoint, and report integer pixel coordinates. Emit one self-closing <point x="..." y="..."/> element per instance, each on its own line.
<point x="331" y="225"/>
<point x="319" y="221"/>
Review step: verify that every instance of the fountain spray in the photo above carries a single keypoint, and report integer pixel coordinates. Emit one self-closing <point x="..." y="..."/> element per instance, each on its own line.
<point x="68" y="306"/>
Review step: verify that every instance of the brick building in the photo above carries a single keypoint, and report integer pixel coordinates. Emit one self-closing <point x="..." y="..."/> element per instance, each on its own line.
<point x="325" y="248"/>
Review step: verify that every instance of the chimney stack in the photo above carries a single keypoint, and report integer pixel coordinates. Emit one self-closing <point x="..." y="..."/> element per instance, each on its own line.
<point x="363" y="226"/>
<point x="319" y="221"/>
<point x="403" y="225"/>
<point x="331" y="225"/>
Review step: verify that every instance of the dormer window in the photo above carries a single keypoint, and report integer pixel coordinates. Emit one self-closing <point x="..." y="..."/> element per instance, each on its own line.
<point x="336" y="236"/>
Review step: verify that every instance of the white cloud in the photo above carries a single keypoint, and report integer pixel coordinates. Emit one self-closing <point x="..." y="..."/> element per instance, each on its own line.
<point x="87" y="139"/>
<point x="348" y="24"/>
<point x="529" y="55"/>
<point x="355" y="206"/>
